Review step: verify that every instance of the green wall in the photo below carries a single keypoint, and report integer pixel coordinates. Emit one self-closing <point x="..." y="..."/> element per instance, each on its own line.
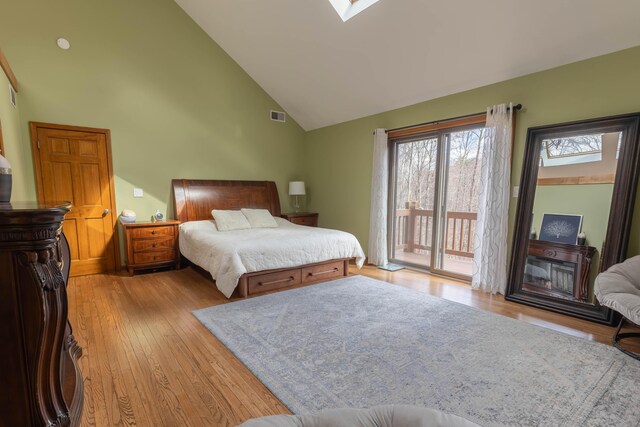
<point x="11" y="133"/>
<point x="338" y="168"/>
<point x="176" y="104"/>
<point x="591" y="201"/>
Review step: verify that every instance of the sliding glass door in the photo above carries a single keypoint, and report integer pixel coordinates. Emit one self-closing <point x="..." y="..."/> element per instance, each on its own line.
<point x="416" y="165"/>
<point x="434" y="200"/>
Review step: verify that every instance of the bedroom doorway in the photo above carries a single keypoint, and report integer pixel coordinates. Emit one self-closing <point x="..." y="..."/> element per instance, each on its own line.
<point x="74" y="164"/>
<point x="435" y="187"/>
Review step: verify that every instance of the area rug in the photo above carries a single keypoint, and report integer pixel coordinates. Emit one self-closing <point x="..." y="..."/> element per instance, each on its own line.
<point x="358" y="342"/>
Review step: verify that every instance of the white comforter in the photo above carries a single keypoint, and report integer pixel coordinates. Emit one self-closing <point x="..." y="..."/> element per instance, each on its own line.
<point x="227" y="255"/>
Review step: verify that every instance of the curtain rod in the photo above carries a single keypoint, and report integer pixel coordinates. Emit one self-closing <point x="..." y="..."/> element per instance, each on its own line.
<point x="515" y="107"/>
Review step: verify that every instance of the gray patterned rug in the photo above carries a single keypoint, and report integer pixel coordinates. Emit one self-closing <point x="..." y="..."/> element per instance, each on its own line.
<point x="358" y="342"/>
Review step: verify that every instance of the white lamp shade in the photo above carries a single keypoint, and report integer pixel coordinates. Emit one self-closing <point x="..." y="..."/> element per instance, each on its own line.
<point x="4" y="163"/>
<point x="296" y="188"/>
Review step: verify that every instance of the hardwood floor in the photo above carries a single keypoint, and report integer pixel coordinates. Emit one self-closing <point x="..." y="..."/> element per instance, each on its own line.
<point x="147" y="361"/>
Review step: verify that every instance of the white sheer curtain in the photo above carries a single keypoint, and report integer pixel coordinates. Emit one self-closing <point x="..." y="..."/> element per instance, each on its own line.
<point x="379" y="194"/>
<point x="490" y="251"/>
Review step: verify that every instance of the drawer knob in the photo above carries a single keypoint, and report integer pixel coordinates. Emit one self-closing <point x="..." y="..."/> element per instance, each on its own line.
<point x="153" y="232"/>
<point x="153" y="246"/>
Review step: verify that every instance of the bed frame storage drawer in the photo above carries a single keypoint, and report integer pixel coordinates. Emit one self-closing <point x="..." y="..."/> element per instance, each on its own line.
<point x="265" y="281"/>
<point x="272" y="281"/>
<point x="323" y="271"/>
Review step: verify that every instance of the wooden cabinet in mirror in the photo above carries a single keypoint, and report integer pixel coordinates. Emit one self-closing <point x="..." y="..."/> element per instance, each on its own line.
<point x="574" y="213"/>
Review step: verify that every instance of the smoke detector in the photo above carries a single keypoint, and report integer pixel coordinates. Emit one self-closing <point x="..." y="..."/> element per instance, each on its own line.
<point x="63" y="43"/>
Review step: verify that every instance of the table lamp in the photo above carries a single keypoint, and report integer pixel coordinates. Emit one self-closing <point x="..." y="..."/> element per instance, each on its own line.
<point x="296" y="188"/>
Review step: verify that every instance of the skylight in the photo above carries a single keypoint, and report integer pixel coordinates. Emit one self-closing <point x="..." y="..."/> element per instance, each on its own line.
<point x="347" y="9"/>
<point x="574" y="146"/>
<point x="572" y="150"/>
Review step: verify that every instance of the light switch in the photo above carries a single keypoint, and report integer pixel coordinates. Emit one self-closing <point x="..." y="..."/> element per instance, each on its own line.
<point x="137" y="192"/>
<point x="516" y="190"/>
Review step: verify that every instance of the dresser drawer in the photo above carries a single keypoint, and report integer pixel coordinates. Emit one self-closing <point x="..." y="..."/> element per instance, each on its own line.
<point x="160" y="243"/>
<point x="272" y="281"/>
<point x="150" y="232"/>
<point x="323" y="272"/>
<point x="154" y="257"/>
<point x="310" y="221"/>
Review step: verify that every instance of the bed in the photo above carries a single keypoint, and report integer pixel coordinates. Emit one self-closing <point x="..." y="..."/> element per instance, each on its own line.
<point x="253" y="261"/>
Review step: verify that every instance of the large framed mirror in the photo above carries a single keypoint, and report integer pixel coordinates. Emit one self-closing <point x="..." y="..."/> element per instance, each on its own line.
<point x="574" y="212"/>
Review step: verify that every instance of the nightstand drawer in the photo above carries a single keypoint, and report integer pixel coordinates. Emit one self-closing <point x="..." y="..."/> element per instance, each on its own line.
<point x="310" y="221"/>
<point x="154" y="257"/>
<point x="160" y="243"/>
<point x="150" y="232"/>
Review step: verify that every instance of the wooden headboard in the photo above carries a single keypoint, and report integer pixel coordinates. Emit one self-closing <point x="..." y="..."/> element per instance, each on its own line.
<point x="195" y="198"/>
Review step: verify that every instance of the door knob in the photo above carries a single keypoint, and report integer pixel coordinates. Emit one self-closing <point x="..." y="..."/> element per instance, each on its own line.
<point x="105" y="212"/>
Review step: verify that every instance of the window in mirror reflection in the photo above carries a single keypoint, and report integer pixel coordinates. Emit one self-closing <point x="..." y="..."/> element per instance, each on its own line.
<point x="576" y="146"/>
<point x="581" y="159"/>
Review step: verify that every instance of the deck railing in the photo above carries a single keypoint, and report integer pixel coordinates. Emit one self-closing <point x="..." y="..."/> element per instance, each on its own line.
<point x="414" y="227"/>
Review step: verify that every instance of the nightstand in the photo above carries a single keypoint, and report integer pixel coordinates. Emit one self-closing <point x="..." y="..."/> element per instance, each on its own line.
<point x="151" y="245"/>
<point x="302" y="218"/>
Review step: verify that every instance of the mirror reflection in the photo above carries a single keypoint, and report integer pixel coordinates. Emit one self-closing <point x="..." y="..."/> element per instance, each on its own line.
<point x="572" y="201"/>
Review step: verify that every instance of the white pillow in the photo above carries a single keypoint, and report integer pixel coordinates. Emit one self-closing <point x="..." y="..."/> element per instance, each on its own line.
<point x="191" y="227"/>
<point x="260" y="218"/>
<point x="230" y="220"/>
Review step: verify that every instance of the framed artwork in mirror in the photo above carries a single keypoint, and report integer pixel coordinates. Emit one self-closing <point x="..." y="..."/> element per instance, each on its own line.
<point x="575" y="208"/>
<point x="561" y="228"/>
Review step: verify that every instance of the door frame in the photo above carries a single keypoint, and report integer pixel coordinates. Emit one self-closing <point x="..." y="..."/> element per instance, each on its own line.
<point x="33" y="129"/>
<point x="437" y="130"/>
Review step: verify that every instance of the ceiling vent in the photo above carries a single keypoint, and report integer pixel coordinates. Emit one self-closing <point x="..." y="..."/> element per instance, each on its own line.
<point x="278" y="116"/>
<point x="13" y="98"/>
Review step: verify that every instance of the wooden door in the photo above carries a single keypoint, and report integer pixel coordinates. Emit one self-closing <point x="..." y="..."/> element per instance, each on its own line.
<point x="74" y="164"/>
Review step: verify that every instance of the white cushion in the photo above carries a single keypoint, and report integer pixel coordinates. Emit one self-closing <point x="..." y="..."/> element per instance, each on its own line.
<point x="378" y="416"/>
<point x="619" y="288"/>
<point x="260" y="218"/>
<point x="230" y="220"/>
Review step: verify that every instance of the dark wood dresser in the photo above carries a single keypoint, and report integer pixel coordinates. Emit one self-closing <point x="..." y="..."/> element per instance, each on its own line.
<point x="41" y="383"/>
<point x="557" y="269"/>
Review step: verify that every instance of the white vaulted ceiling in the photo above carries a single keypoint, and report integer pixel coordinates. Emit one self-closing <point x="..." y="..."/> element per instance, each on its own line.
<point x="323" y="71"/>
